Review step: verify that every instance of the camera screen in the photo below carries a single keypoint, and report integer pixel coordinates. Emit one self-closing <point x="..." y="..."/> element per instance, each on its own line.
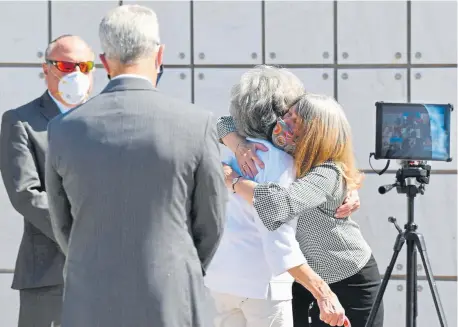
<point x="413" y="131"/>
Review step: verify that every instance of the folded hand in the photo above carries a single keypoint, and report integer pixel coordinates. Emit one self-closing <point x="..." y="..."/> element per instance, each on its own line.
<point x="331" y="311"/>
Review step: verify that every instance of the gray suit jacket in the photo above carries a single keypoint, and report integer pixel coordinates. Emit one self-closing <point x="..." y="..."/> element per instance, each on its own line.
<point x="23" y="145"/>
<point x="137" y="197"/>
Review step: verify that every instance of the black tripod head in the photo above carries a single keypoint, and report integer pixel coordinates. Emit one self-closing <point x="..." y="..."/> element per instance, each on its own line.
<point x="410" y="171"/>
<point x="411" y="179"/>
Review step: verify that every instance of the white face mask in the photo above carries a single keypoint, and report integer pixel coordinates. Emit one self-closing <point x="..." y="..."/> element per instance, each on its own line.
<point x="74" y="88"/>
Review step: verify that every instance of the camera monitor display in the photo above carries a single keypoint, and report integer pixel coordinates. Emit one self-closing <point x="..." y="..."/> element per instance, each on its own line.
<point x="409" y="131"/>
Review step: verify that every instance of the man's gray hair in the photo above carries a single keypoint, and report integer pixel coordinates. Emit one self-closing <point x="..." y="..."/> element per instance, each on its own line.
<point x="263" y="94"/>
<point x="128" y="33"/>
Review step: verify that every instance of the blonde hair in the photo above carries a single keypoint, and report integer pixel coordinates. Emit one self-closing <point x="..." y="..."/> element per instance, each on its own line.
<point x="324" y="134"/>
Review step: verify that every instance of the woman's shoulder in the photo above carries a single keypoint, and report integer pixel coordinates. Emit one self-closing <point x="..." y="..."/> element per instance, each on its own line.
<point x="329" y="176"/>
<point x="330" y="168"/>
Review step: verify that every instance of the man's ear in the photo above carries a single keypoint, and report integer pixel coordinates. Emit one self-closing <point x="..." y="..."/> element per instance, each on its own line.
<point x="159" y="56"/>
<point x="104" y="63"/>
<point x="45" y="69"/>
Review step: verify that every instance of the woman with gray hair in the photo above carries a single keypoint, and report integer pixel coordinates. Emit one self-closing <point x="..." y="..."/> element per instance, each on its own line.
<point x="250" y="275"/>
<point x="316" y="132"/>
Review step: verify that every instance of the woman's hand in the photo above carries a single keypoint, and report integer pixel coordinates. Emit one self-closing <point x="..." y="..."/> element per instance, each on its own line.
<point x="350" y="205"/>
<point x="247" y="159"/>
<point x="331" y="311"/>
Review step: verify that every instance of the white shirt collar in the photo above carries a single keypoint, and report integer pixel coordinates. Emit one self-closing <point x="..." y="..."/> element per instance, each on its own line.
<point x="132" y="76"/>
<point x="63" y="108"/>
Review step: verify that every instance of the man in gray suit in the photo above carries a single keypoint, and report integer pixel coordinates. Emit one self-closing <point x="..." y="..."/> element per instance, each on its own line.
<point x="23" y="145"/>
<point x="136" y="191"/>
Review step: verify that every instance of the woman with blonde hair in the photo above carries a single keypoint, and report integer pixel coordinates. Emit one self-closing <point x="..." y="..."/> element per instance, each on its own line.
<point x="317" y="133"/>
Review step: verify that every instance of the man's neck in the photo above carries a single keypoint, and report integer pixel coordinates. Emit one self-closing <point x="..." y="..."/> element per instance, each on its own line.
<point x="141" y="71"/>
<point x="144" y="67"/>
<point x="132" y="75"/>
<point x="62" y="107"/>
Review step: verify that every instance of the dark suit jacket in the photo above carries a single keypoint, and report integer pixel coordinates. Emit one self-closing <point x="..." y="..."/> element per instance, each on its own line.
<point x="23" y="146"/>
<point x="137" y="197"/>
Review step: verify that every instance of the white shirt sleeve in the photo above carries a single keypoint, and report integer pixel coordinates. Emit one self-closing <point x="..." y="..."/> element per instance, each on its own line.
<point x="281" y="249"/>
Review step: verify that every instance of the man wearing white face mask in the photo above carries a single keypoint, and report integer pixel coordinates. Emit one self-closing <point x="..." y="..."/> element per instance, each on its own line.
<point x="68" y="70"/>
<point x="23" y="146"/>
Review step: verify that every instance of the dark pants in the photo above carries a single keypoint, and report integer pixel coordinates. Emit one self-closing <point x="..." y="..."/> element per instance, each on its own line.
<point x="40" y="307"/>
<point x="356" y="294"/>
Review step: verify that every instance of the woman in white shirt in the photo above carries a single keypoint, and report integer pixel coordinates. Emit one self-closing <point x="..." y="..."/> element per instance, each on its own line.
<point x="316" y="131"/>
<point x="250" y="274"/>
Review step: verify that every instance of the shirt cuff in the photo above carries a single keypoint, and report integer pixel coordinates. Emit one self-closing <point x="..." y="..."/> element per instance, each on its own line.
<point x="287" y="262"/>
<point x="225" y="126"/>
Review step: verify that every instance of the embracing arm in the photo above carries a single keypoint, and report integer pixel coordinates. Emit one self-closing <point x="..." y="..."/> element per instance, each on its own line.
<point x="245" y="151"/>
<point x="276" y="204"/>
<point x="227" y="133"/>
<point x="225" y="126"/>
<point x="20" y="174"/>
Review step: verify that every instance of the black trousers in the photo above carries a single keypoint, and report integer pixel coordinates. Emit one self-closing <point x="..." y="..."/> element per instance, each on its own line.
<point x="356" y="294"/>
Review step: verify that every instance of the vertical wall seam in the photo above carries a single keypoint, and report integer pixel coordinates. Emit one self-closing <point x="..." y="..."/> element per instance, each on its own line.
<point x="49" y="21"/>
<point x="336" y="49"/>
<point x="409" y="51"/>
<point x="263" y="31"/>
<point x="191" y="50"/>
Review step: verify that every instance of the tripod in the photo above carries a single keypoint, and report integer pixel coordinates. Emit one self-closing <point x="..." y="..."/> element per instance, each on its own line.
<point x="407" y="178"/>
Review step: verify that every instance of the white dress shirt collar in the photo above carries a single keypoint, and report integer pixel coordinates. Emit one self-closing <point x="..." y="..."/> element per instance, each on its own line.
<point x="62" y="108"/>
<point x="132" y="76"/>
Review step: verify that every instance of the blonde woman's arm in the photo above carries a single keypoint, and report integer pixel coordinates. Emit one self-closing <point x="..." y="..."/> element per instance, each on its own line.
<point x="276" y="205"/>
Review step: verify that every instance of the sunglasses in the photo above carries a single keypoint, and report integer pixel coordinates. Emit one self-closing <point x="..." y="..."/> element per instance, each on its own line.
<point x="68" y="67"/>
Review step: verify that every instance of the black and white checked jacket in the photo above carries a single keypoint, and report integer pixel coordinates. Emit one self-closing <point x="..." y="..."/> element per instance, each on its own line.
<point x="334" y="248"/>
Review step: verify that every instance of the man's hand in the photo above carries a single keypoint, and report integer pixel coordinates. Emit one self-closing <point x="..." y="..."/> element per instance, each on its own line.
<point x="247" y="158"/>
<point x="331" y="311"/>
<point x="350" y="205"/>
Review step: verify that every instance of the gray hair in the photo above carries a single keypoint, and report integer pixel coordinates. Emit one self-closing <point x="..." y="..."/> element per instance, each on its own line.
<point x="263" y="94"/>
<point x="128" y="33"/>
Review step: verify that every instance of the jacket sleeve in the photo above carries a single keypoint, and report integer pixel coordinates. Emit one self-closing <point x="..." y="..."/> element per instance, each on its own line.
<point x="276" y="204"/>
<point x="59" y="206"/>
<point x="225" y="125"/>
<point x="209" y="199"/>
<point x="20" y="174"/>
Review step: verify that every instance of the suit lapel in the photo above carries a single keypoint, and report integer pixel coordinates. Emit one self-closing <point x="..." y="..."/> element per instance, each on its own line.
<point x="48" y="107"/>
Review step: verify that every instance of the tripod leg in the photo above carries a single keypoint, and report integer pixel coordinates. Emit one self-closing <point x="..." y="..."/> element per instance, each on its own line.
<point x="411" y="284"/>
<point x="415" y="287"/>
<point x="381" y="291"/>
<point x="420" y="243"/>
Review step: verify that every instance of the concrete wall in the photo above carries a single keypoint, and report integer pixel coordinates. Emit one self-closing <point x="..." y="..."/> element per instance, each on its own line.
<point x="358" y="51"/>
